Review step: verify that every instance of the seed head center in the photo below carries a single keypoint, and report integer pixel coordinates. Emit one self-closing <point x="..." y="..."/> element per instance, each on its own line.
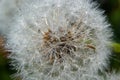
<point x="59" y="46"/>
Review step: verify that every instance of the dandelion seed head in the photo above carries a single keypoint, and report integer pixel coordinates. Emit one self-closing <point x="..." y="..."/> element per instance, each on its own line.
<point x="59" y="40"/>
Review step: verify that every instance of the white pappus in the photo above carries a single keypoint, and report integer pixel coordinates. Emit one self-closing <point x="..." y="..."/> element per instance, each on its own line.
<point x="59" y="40"/>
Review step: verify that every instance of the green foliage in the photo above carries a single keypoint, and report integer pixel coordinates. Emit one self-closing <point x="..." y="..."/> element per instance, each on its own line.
<point x="112" y="9"/>
<point x="116" y="47"/>
<point x="4" y="72"/>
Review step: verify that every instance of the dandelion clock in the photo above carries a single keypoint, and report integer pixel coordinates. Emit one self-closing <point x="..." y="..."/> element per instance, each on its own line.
<point x="59" y="40"/>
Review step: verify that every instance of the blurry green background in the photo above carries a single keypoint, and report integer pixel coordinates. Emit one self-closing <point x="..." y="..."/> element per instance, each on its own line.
<point x="112" y="10"/>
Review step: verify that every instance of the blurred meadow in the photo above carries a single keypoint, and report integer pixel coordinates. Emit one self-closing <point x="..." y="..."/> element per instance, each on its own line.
<point x="112" y="10"/>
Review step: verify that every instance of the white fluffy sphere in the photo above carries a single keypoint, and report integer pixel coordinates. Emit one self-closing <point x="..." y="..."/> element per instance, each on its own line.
<point x="59" y="40"/>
